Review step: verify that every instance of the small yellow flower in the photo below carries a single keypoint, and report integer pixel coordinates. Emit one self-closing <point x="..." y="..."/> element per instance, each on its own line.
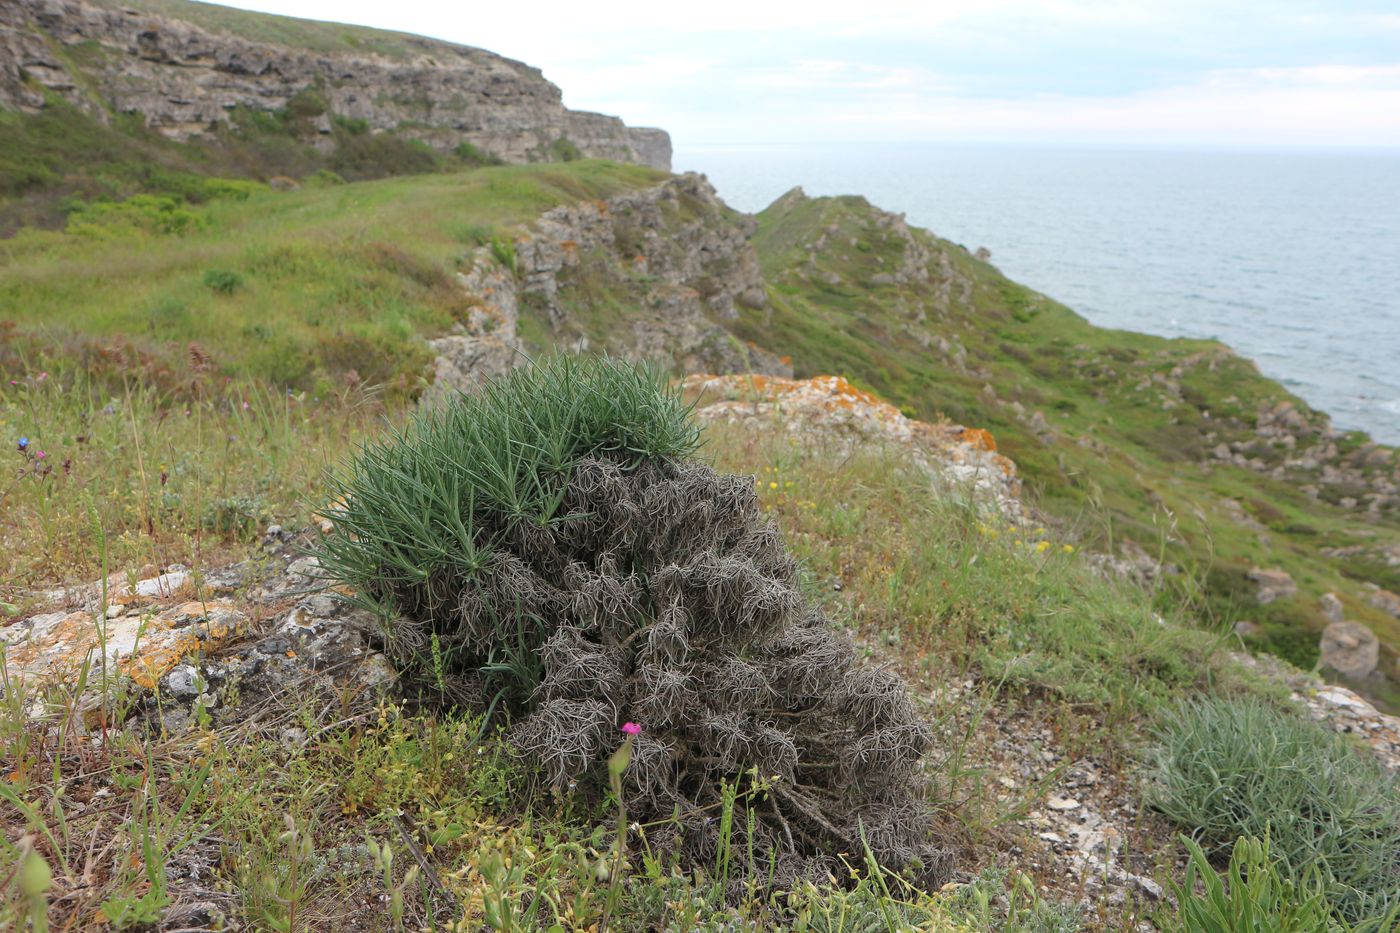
<point x="1042" y="547"/>
<point x="772" y="485"/>
<point x="1067" y="548"/>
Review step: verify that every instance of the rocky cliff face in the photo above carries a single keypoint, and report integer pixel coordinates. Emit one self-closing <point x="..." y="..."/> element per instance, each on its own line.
<point x="186" y="79"/>
<point x="653" y="274"/>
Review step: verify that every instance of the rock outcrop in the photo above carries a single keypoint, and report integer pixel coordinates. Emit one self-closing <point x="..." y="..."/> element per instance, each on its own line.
<point x="671" y="264"/>
<point x="186" y="78"/>
<point x="962" y="461"/>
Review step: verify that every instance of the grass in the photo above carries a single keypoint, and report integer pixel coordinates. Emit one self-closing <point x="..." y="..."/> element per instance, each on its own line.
<point x="302" y="34"/>
<point x="1227" y="769"/>
<point x="188" y="477"/>
<point x="284" y="828"/>
<point x="342" y="282"/>
<point x="1256" y="895"/>
<point x="1131" y="418"/>
<point x="118" y="327"/>
<point x="961" y="590"/>
<point x="333" y="280"/>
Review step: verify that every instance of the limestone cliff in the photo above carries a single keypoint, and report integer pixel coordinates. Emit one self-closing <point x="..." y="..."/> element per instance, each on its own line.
<point x="186" y="70"/>
<point x="653" y="274"/>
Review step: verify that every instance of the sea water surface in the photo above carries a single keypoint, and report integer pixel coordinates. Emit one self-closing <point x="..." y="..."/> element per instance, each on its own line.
<point x="1291" y="258"/>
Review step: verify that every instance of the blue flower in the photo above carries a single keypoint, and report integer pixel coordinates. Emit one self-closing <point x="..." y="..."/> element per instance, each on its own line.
<point x="23" y="444"/>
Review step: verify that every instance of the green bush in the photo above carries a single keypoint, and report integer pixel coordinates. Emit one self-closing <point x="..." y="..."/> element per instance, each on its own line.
<point x="564" y="149"/>
<point x="223" y="281"/>
<point x="143" y="212"/>
<point x="360" y="154"/>
<point x="415" y="506"/>
<point x="547" y="546"/>
<point x="476" y="157"/>
<point x="322" y="178"/>
<point x="503" y="250"/>
<point x="1259" y="898"/>
<point x="1231" y="768"/>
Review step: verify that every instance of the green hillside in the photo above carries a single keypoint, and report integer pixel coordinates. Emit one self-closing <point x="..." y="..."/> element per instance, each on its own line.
<point x="188" y="349"/>
<point x="1114" y="431"/>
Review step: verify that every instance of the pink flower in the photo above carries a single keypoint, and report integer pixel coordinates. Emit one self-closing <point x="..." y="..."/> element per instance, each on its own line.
<point x="631" y="728"/>
<point x="39" y="455"/>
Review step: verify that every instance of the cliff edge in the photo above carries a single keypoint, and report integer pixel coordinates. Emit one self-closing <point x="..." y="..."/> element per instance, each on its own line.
<point x="187" y="68"/>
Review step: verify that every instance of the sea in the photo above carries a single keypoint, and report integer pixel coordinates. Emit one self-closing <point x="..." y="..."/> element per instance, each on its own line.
<point x="1292" y="258"/>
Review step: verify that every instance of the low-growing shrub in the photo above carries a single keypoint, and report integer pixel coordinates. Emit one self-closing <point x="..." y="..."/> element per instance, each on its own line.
<point x="223" y="281"/>
<point x="143" y="212"/>
<point x="564" y="149"/>
<point x="548" y="546"/>
<point x="475" y="157"/>
<point x="1231" y="768"/>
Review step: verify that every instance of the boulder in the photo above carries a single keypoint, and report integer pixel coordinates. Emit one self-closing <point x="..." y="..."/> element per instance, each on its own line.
<point x="1386" y="601"/>
<point x="1350" y="649"/>
<point x="1331" y="607"/>
<point x="1273" y="584"/>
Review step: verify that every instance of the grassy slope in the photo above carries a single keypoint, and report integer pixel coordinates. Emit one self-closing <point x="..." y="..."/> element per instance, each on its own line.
<point x="370" y="259"/>
<point x="261" y="817"/>
<point x="331" y="278"/>
<point x="335" y="279"/>
<point x="1122" y="464"/>
<point x="310" y="35"/>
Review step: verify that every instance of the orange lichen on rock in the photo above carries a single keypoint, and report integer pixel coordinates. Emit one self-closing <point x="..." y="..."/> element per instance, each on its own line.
<point x="979" y="437"/>
<point x="142" y="642"/>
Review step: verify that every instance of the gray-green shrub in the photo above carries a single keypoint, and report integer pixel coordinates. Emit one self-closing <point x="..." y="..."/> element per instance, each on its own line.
<point x="547" y="545"/>
<point x="1230" y="768"/>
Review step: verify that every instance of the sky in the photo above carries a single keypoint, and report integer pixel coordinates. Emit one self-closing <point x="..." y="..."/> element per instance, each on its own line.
<point x="1193" y="73"/>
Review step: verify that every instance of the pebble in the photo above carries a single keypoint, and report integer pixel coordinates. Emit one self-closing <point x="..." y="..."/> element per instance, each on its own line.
<point x="1149" y="887"/>
<point x="183" y="681"/>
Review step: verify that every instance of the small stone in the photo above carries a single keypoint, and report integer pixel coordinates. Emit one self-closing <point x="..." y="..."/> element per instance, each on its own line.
<point x="1274" y="584"/>
<point x="323" y="607"/>
<point x="274" y="646"/>
<point x="1062" y="804"/>
<point x="293" y="737"/>
<point x="183" y="681"/>
<point x="1149" y="887"/>
<point x="1331" y="607"/>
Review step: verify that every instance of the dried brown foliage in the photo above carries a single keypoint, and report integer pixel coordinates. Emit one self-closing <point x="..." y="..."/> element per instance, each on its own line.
<point x="663" y="596"/>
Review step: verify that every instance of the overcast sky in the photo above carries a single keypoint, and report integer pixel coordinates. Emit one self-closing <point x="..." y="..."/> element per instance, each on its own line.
<point x="1140" y="72"/>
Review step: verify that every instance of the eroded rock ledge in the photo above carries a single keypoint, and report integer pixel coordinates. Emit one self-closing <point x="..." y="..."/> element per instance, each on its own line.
<point x="186" y="79"/>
